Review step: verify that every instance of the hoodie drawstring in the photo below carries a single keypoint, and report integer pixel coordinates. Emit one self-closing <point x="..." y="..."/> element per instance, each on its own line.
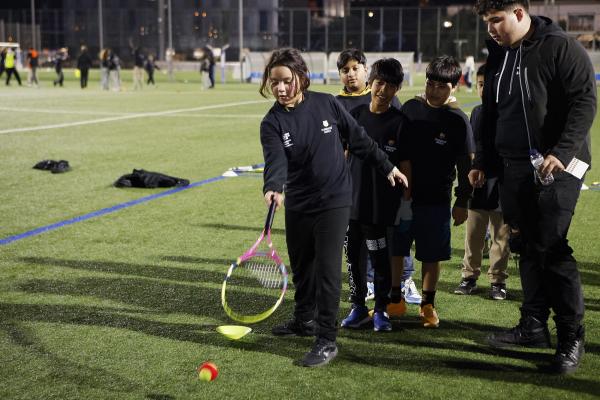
<point x="512" y="74"/>
<point x="500" y="78"/>
<point x="520" y="54"/>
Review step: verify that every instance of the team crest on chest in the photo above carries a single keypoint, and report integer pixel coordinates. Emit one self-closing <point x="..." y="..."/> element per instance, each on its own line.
<point x="390" y="147"/>
<point x="441" y="139"/>
<point x="326" y="127"/>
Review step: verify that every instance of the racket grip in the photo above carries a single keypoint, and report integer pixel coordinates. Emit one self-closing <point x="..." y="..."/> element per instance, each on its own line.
<point x="270" y="214"/>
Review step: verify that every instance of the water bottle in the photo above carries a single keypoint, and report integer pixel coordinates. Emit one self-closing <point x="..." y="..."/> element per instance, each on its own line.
<point x="537" y="161"/>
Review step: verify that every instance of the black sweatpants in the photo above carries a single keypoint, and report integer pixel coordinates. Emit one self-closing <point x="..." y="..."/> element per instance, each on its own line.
<point x="83" y="78"/>
<point x="543" y="214"/>
<point x="150" y="77"/>
<point x="315" y="242"/>
<point x="376" y="242"/>
<point x="10" y="72"/>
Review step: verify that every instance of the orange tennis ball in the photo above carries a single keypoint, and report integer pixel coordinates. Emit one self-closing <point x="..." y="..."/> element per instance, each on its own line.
<point x="207" y="372"/>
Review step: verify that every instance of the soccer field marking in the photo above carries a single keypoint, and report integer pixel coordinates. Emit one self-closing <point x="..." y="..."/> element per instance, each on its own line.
<point x="130" y="116"/>
<point x="115" y="114"/>
<point x="74" y="112"/>
<point x="104" y="211"/>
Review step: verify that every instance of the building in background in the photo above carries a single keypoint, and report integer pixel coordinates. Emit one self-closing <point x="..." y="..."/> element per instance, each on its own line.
<point x="425" y="27"/>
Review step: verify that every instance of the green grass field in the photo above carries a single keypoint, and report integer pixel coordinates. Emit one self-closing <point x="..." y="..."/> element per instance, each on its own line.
<point x="125" y="305"/>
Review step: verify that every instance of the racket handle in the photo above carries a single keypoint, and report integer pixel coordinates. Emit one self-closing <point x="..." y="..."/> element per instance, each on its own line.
<point x="270" y="214"/>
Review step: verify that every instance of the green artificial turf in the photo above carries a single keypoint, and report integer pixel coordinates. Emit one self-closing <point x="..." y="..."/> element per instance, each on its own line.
<point x="125" y="305"/>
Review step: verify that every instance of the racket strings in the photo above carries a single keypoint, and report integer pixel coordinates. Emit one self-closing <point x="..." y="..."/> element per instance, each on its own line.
<point x="265" y="270"/>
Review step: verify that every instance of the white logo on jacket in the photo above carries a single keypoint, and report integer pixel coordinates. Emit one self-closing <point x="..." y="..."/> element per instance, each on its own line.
<point x="287" y="140"/>
<point x="441" y="139"/>
<point x="327" y="128"/>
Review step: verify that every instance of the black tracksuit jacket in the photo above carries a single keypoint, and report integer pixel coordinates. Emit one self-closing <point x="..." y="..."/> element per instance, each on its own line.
<point x="303" y="151"/>
<point x="558" y="96"/>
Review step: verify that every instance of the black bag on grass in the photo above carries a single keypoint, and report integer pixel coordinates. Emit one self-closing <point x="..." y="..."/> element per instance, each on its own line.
<point x="56" y="167"/>
<point x="147" y="179"/>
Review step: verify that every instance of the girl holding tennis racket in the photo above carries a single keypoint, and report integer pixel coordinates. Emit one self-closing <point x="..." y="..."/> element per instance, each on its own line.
<point x="301" y="139"/>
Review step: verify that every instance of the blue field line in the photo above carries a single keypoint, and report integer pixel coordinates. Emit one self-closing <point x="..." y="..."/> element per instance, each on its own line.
<point x="105" y="211"/>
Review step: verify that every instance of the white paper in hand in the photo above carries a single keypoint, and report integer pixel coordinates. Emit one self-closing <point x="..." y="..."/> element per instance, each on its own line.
<point x="577" y="168"/>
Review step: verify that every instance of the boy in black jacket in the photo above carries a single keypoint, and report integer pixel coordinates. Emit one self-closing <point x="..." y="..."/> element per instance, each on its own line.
<point x="375" y="203"/>
<point x="440" y="139"/>
<point x="543" y="98"/>
<point x="484" y="213"/>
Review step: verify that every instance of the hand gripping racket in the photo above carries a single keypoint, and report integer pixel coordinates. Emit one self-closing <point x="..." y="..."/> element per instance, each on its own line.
<point x="256" y="283"/>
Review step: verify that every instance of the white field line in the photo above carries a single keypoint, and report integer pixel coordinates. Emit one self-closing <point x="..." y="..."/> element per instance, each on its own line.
<point x="131" y="116"/>
<point x="50" y="111"/>
<point x="114" y="114"/>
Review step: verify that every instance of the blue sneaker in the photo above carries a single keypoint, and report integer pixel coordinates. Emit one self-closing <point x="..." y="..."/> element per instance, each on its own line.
<point x="381" y="322"/>
<point x="359" y="315"/>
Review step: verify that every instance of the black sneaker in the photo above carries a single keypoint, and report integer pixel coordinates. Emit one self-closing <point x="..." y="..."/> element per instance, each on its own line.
<point x="531" y="332"/>
<point x="61" y="166"/>
<point x="569" y="351"/>
<point x="466" y="286"/>
<point x="322" y="353"/>
<point x="295" y="327"/>
<point x="498" y="291"/>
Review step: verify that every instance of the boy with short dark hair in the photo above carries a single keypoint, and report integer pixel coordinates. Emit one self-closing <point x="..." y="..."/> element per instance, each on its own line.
<point x="441" y="141"/>
<point x="485" y="211"/>
<point x="352" y="67"/>
<point x="374" y="203"/>
<point x="353" y="70"/>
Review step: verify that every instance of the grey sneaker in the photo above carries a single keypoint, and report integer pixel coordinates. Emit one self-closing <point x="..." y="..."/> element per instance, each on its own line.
<point x="498" y="291"/>
<point x="466" y="286"/>
<point x="322" y="353"/>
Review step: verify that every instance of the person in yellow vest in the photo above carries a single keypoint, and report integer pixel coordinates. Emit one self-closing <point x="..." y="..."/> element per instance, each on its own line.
<point x="10" y="66"/>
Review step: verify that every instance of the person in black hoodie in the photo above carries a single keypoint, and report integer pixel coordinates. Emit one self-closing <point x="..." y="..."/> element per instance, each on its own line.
<point x="84" y="63"/>
<point x="304" y="156"/>
<point x="542" y="96"/>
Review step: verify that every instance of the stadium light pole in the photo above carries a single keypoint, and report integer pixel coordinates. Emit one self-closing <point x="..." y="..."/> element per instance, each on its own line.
<point x="170" y="22"/>
<point x="241" y="36"/>
<point x="100" y="25"/>
<point x="161" y="29"/>
<point x="33" y="44"/>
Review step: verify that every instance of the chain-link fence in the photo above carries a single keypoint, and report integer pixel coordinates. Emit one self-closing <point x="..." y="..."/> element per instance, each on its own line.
<point x="426" y="31"/>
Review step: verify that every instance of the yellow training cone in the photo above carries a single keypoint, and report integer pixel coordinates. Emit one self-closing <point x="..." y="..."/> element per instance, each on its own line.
<point x="233" y="332"/>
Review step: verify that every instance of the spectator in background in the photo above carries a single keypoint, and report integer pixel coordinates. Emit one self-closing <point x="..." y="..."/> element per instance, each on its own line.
<point x="2" y="58"/>
<point x="33" y="62"/>
<point x="104" y="68"/>
<point x="138" y="68"/>
<point x="469" y="72"/>
<point x="59" y="58"/>
<point x="10" y="66"/>
<point x="210" y="57"/>
<point x="84" y="63"/>
<point x="114" y="69"/>
<point x="150" y="67"/>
